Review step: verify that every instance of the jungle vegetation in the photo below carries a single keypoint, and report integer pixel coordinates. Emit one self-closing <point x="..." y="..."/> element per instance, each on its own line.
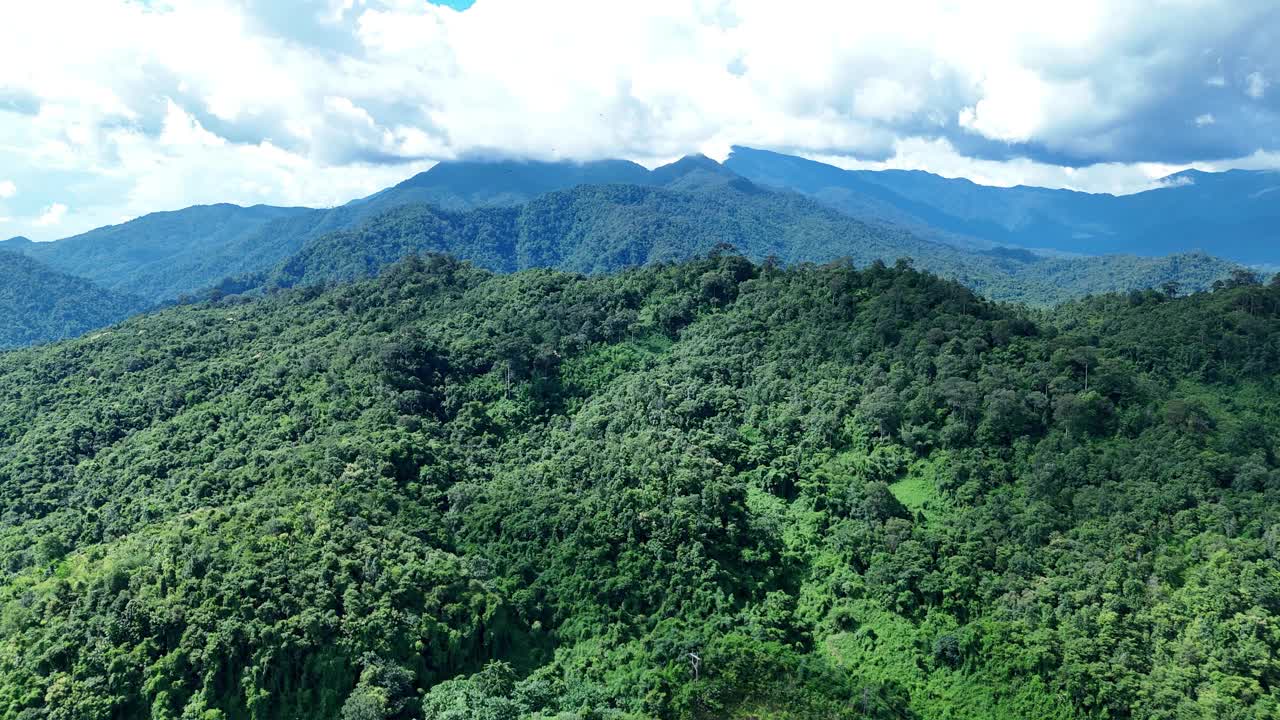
<point x="705" y="489"/>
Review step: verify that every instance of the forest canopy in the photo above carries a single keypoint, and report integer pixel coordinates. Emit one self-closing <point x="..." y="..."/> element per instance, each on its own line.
<point x="708" y="489"/>
<point x="39" y="304"/>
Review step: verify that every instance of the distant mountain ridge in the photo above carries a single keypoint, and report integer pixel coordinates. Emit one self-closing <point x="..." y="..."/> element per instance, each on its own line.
<point x="158" y="256"/>
<point x="467" y="184"/>
<point x="1229" y="214"/>
<point x="164" y="255"/>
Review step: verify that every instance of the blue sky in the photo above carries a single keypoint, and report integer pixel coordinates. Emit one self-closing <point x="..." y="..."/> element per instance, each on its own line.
<point x="136" y="108"/>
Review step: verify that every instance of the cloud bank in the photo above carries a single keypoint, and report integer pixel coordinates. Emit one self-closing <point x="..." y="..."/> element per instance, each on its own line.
<point x="143" y="106"/>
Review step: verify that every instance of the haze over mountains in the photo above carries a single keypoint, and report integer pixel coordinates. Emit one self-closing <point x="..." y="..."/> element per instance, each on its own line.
<point x="606" y="215"/>
<point x="1233" y="214"/>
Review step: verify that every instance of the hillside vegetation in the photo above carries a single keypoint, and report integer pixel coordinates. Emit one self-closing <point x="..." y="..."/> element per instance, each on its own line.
<point x="158" y="256"/>
<point x="713" y="489"/>
<point x="607" y="228"/>
<point x="39" y="305"/>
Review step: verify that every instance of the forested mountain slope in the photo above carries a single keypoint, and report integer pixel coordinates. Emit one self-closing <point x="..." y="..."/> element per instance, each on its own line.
<point x="704" y="490"/>
<point x="608" y="228"/>
<point x="153" y="256"/>
<point x="1230" y="214"/>
<point x="454" y="186"/>
<point x="611" y="227"/>
<point x="692" y="206"/>
<point x="39" y="305"/>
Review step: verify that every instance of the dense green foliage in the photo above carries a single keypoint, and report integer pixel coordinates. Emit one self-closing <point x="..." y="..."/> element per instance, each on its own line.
<point x="1045" y="281"/>
<point x="704" y="490"/>
<point x="39" y="305"/>
<point x="1228" y="214"/>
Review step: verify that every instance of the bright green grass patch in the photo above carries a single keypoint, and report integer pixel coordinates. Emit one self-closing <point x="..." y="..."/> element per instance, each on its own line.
<point x="884" y="650"/>
<point x="596" y="369"/>
<point x="918" y="491"/>
<point x="914" y="492"/>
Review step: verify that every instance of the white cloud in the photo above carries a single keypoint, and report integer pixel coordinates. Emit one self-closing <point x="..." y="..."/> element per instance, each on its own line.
<point x="939" y="156"/>
<point x="336" y="11"/>
<point x="1260" y="160"/>
<point x="52" y="215"/>
<point x="1256" y="85"/>
<point x="191" y="162"/>
<point x="886" y="99"/>
<point x="139" y="107"/>
<point x="181" y="131"/>
<point x="1205" y="119"/>
<point x="1011" y="108"/>
<point x="7" y="189"/>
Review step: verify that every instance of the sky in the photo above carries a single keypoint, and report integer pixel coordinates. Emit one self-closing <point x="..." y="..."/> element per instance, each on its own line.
<point x="110" y="109"/>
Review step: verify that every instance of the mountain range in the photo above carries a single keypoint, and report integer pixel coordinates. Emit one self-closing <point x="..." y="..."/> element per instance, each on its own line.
<point x="1233" y="215"/>
<point x="167" y="254"/>
<point x="601" y="216"/>
<point x="604" y="228"/>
